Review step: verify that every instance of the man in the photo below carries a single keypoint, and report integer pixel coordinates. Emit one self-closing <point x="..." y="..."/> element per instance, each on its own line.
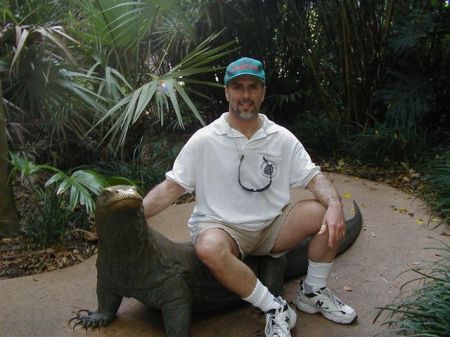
<point x="242" y="167"/>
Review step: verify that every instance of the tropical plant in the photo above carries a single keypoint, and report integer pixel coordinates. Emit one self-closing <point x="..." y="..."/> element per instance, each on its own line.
<point x="163" y="91"/>
<point x="9" y="221"/>
<point x="384" y="146"/>
<point x="423" y="310"/>
<point x="60" y="80"/>
<point x="53" y="219"/>
<point x="419" y="45"/>
<point x="320" y="135"/>
<point x="78" y="187"/>
<point x="35" y="81"/>
<point x="437" y="177"/>
<point x="148" y="165"/>
<point x="139" y="77"/>
<point x="43" y="91"/>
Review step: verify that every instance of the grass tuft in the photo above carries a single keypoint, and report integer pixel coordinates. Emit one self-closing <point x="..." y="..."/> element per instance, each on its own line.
<point x="438" y="177"/>
<point x="423" y="310"/>
<point x="52" y="218"/>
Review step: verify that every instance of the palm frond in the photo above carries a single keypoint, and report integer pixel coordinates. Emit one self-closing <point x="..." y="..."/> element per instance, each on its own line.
<point x="81" y="185"/>
<point x="164" y="91"/>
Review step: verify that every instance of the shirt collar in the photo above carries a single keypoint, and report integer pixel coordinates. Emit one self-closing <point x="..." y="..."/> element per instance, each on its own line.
<point x="221" y="127"/>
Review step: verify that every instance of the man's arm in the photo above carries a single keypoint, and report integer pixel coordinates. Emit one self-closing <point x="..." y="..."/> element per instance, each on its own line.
<point x="325" y="192"/>
<point x="161" y="196"/>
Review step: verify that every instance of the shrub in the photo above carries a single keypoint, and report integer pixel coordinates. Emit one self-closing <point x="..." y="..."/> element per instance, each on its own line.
<point x="423" y="311"/>
<point x="437" y="174"/>
<point x="321" y="135"/>
<point x="49" y="218"/>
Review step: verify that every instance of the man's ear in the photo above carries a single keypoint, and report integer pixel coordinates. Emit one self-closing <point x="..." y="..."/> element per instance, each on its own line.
<point x="226" y="94"/>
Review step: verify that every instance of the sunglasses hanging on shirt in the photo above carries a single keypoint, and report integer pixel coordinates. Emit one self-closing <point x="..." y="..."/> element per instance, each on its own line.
<point x="268" y="169"/>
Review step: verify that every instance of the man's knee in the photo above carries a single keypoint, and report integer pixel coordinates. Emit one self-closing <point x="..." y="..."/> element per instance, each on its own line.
<point x="205" y="246"/>
<point x="311" y="209"/>
<point x="308" y="216"/>
<point x="212" y="246"/>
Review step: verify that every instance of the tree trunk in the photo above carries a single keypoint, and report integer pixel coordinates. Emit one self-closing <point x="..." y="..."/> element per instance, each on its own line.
<point x="9" y="221"/>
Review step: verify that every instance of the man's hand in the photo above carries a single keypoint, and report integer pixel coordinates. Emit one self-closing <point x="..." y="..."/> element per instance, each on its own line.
<point x="334" y="221"/>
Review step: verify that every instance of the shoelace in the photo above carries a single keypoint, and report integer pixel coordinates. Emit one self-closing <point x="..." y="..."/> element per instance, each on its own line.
<point x="278" y="326"/>
<point x="336" y="301"/>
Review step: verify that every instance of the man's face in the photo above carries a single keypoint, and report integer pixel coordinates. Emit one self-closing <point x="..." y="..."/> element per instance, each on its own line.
<point x="245" y="95"/>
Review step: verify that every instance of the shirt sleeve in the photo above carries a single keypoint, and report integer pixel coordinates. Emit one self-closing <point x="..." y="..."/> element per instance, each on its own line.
<point x="183" y="170"/>
<point x="302" y="168"/>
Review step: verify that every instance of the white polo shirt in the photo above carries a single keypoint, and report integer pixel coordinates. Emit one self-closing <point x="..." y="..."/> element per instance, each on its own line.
<point x="209" y="164"/>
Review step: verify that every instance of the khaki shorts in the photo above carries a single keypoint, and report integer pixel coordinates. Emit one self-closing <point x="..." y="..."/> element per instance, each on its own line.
<point x="251" y="242"/>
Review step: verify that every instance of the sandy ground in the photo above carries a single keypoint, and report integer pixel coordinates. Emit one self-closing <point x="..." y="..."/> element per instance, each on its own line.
<point x="396" y="234"/>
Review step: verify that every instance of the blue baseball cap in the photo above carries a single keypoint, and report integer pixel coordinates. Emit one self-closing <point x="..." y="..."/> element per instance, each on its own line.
<point x="245" y="66"/>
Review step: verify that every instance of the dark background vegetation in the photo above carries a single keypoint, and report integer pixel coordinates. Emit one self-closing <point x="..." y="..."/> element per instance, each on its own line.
<point x="107" y="91"/>
<point x="95" y="89"/>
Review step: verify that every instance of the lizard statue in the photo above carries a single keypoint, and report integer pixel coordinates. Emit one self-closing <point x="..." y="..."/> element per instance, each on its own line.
<point x="136" y="261"/>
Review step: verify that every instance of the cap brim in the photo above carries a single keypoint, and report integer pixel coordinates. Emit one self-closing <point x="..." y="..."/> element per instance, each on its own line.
<point x="243" y="74"/>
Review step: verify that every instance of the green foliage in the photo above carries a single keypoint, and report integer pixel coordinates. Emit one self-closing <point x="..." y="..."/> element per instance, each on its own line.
<point x="142" y="177"/>
<point x="69" y="65"/>
<point x="383" y="146"/>
<point x="286" y="98"/>
<point x="51" y="218"/>
<point x="147" y="167"/>
<point x="374" y="73"/>
<point x="163" y="92"/>
<point x="45" y="92"/>
<point x="414" y="89"/>
<point x="81" y="185"/>
<point x="364" y="63"/>
<point x="319" y="134"/>
<point x="437" y="175"/>
<point x="408" y="101"/>
<point x="116" y="23"/>
<point x="423" y="311"/>
<point x="130" y="44"/>
<point x="24" y="166"/>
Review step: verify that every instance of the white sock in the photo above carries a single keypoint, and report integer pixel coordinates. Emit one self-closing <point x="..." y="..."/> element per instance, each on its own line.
<point x="261" y="297"/>
<point x="317" y="275"/>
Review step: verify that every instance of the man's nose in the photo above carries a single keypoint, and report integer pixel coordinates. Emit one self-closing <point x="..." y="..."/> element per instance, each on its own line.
<point x="246" y="92"/>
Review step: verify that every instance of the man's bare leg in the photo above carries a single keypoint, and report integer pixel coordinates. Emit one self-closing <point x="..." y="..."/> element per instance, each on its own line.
<point x="218" y="251"/>
<point x="220" y="254"/>
<point x="304" y="220"/>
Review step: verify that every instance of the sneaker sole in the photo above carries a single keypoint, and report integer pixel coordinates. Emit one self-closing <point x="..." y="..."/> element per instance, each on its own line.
<point x="293" y="318"/>
<point x="310" y="309"/>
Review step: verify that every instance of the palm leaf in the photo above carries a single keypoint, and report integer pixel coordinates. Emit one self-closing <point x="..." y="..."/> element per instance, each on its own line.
<point x="163" y="91"/>
<point x="122" y="24"/>
<point x="81" y="185"/>
<point x="22" y="35"/>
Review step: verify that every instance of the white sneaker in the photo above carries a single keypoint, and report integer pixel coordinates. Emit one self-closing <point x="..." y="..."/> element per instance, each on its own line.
<point x="281" y="320"/>
<point x="327" y="304"/>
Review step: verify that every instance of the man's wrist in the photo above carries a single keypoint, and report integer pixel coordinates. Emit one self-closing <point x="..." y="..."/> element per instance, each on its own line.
<point x="334" y="203"/>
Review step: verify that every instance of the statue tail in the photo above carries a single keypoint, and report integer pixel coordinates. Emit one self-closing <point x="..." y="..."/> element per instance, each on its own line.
<point x="352" y="229"/>
<point x="297" y="258"/>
